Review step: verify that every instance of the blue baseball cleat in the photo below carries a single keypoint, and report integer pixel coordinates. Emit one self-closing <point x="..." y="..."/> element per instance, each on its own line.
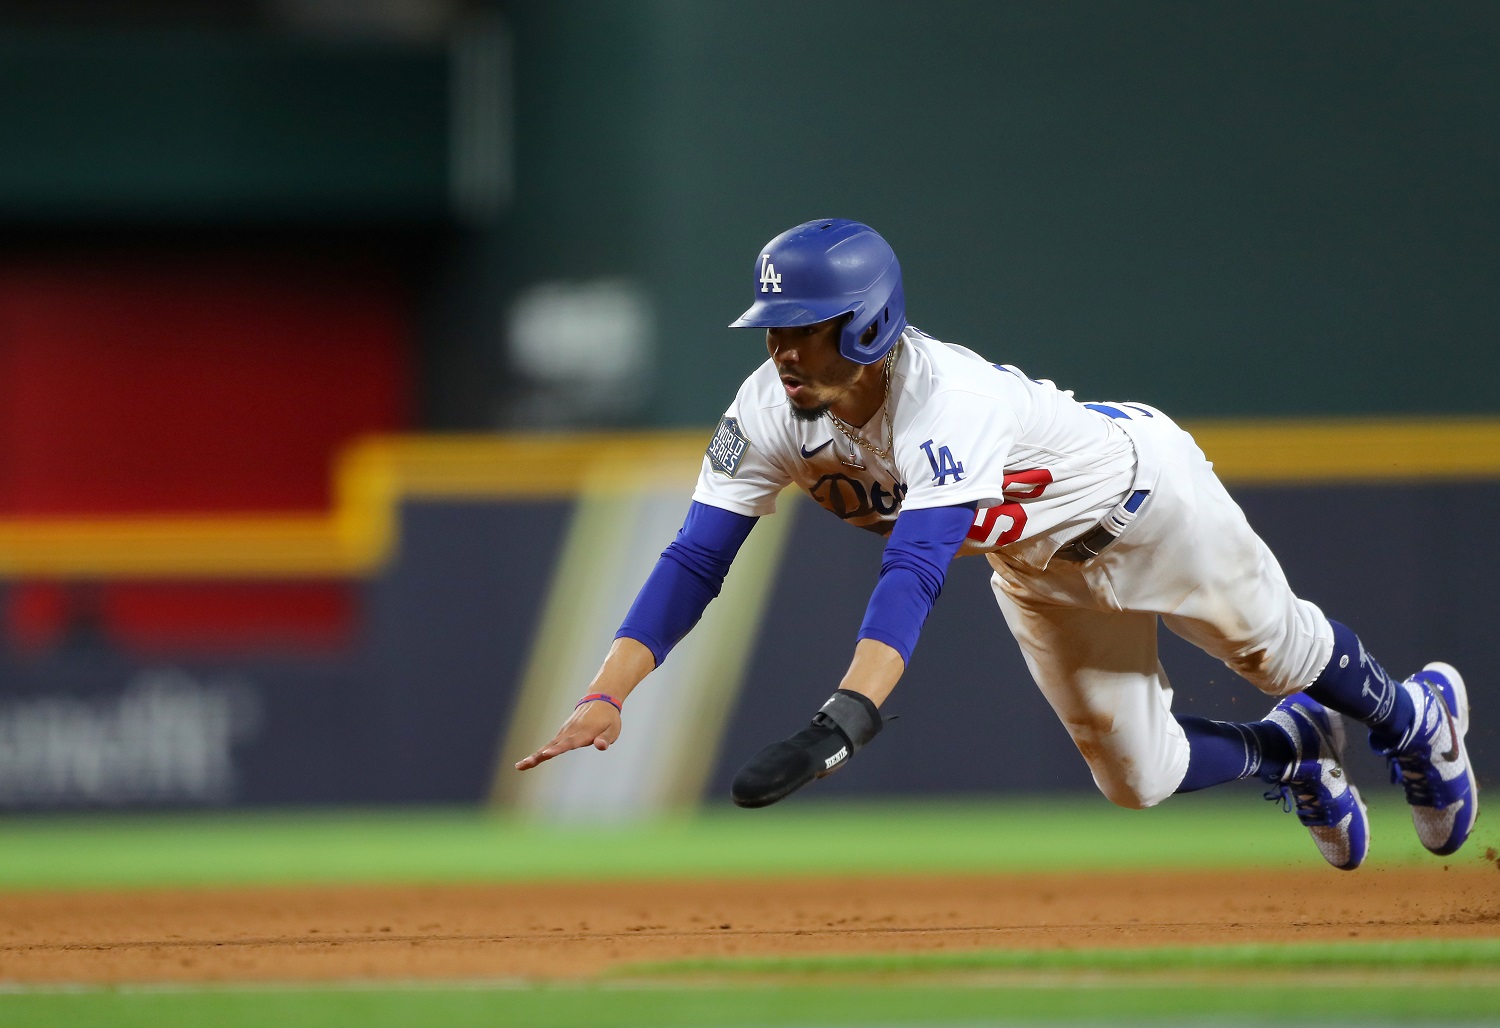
<point x="1327" y="804"/>
<point x="1431" y="763"/>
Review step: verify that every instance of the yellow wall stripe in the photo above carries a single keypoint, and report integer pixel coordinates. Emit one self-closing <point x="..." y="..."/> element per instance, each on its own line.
<point x="268" y="547"/>
<point x="1394" y="450"/>
<point x="372" y="478"/>
<point x="356" y="537"/>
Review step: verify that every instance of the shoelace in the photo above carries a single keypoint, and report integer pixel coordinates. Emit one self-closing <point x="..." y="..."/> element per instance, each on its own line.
<point x="1413" y="768"/>
<point x="1310" y="809"/>
<point x="1412" y="771"/>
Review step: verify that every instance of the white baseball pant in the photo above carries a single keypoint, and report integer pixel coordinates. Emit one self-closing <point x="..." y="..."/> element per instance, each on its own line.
<point x="1088" y="630"/>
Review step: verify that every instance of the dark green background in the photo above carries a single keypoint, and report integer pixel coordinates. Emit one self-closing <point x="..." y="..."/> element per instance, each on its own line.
<point x="1266" y="208"/>
<point x="1227" y="209"/>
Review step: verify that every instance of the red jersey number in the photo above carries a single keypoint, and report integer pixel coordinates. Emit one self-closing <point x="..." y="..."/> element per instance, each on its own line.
<point x="1004" y="523"/>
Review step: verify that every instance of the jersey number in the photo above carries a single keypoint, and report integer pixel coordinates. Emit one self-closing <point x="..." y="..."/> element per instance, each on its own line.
<point x="1001" y="524"/>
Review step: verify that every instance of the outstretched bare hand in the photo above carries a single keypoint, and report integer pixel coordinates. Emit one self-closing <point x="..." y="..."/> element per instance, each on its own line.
<point x="594" y="724"/>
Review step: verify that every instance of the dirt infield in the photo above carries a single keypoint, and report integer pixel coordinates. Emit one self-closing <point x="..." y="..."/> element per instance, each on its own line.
<point x="556" y="931"/>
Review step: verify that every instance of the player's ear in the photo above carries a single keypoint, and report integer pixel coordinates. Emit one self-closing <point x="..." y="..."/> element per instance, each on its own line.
<point x="868" y="336"/>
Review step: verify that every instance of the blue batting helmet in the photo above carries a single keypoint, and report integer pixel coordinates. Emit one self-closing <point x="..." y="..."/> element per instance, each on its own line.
<point x="824" y="269"/>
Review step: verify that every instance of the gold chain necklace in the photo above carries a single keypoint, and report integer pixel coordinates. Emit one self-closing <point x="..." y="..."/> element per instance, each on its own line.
<point x="858" y="440"/>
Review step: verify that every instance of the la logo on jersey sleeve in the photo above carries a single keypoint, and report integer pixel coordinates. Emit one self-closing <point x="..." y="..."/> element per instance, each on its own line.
<point x="944" y="466"/>
<point x="726" y="450"/>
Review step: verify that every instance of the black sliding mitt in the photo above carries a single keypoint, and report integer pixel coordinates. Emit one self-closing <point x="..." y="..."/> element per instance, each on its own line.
<point x="845" y="723"/>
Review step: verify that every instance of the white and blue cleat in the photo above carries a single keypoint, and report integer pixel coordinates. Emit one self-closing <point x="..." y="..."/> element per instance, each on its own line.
<point x="1431" y="763"/>
<point x="1326" y="803"/>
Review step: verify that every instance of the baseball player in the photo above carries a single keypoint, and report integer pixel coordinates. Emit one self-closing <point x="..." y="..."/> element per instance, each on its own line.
<point x="1097" y="520"/>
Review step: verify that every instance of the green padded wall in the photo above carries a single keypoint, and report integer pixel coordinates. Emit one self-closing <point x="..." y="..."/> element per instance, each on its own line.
<point x="1226" y="209"/>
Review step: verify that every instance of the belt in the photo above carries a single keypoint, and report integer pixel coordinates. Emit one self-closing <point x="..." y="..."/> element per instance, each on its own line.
<point x="1094" y="542"/>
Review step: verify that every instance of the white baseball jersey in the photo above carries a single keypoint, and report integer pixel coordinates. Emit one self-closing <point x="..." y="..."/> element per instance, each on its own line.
<point x="1042" y="467"/>
<point x="1045" y="469"/>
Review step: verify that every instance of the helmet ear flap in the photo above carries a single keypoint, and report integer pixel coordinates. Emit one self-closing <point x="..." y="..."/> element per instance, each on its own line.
<point x="888" y="320"/>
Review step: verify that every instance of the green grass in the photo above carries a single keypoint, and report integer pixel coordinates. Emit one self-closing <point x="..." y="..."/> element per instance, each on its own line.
<point x="785" y="1006"/>
<point x="1447" y="955"/>
<point x="1106" y="987"/>
<point x="1451" y="982"/>
<point x="425" y="845"/>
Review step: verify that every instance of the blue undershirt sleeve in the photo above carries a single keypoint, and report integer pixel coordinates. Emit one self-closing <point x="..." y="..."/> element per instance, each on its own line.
<point x="687" y="576"/>
<point x="912" y="573"/>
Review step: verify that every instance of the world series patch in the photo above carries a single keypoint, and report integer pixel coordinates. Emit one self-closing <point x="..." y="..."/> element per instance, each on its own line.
<point x="727" y="448"/>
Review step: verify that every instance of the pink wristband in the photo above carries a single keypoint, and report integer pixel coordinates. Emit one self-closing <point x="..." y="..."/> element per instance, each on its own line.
<point x="591" y="697"/>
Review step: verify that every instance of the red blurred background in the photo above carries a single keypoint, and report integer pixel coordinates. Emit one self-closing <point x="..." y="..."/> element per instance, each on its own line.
<point x="220" y="386"/>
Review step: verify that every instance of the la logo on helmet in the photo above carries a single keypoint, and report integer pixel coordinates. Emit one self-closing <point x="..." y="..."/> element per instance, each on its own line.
<point x="770" y="281"/>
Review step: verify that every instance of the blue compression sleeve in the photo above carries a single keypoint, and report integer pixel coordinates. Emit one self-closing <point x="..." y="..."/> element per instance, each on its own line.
<point x="686" y="577"/>
<point x="912" y="572"/>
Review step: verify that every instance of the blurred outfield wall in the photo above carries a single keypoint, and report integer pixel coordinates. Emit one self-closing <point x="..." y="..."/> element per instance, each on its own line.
<point x="486" y="576"/>
<point x="1224" y="209"/>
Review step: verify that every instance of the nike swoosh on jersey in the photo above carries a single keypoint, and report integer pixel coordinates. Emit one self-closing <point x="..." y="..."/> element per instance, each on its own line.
<point x="809" y="454"/>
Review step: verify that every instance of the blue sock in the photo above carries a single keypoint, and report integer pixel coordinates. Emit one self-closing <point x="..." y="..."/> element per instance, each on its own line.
<point x="1355" y="684"/>
<point x="1227" y="751"/>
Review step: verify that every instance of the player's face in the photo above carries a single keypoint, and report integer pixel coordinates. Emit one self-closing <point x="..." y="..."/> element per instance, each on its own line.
<point x="813" y="372"/>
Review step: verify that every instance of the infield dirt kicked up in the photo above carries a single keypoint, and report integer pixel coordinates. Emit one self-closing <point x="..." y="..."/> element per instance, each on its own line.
<point x="579" y="931"/>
